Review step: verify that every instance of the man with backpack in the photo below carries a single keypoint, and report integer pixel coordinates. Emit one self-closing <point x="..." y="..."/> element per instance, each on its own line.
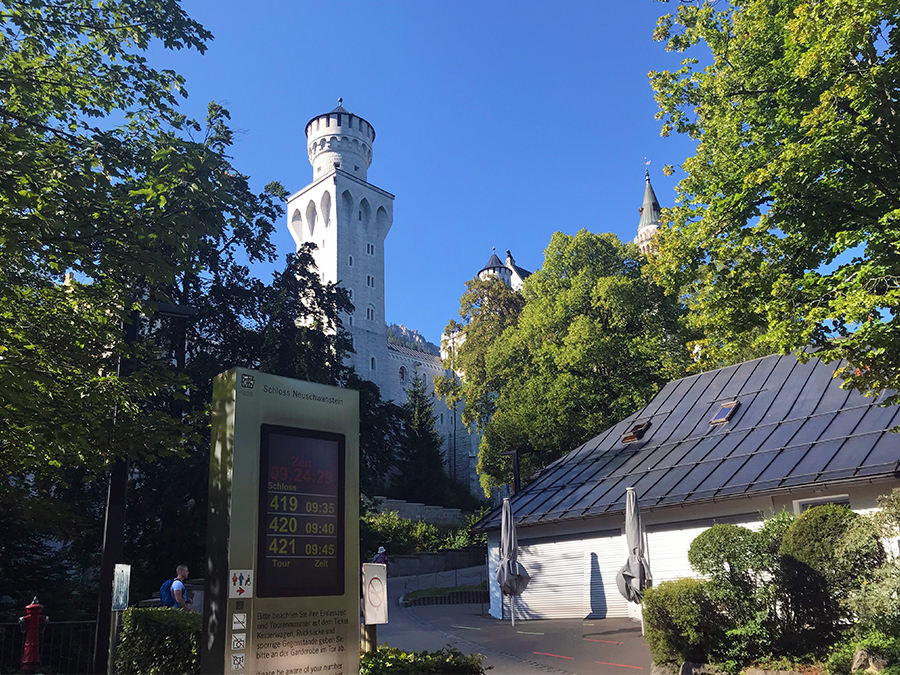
<point x="173" y="593"/>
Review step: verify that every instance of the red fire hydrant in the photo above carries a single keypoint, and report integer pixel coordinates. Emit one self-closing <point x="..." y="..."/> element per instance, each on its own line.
<point x="31" y="625"/>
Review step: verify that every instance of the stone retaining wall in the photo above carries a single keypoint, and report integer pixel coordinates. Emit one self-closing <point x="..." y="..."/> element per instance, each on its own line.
<point x="442" y="561"/>
<point x="434" y="515"/>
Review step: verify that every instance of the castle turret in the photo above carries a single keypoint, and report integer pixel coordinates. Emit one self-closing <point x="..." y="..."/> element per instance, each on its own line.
<point x="495" y="268"/>
<point x="339" y="139"/>
<point x="649" y="223"/>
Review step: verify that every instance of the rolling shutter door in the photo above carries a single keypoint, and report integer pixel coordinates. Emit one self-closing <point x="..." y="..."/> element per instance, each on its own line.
<point x="667" y="552"/>
<point x="603" y="558"/>
<point x="555" y="589"/>
<point x="568" y="582"/>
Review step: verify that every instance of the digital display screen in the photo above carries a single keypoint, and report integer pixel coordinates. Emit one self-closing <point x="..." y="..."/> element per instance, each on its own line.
<point x="301" y="513"/>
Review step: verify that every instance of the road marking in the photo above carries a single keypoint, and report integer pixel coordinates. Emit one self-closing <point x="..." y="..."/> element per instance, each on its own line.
<point x="571" y="658"/>
<point x="525" y="632"/>
<point x="609" y="642"/>
<point x="466" y="627"/>
<point x="606" y="663"/>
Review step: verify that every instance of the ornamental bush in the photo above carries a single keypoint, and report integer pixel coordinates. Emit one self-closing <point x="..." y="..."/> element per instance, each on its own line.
<point x="821" y="569"/>
<point x="449" y="660"/>
<point x="681" y="622"/>
<point x="159" y="641"/>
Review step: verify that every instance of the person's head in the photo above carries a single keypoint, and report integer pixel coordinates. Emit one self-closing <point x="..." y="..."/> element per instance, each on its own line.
<point x="381" y="549"/>
<point x="182" y="572"/>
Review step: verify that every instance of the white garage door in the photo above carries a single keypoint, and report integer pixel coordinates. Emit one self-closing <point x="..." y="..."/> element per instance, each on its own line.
<point x="667" y="553"/>
<point x="571" y="579"/>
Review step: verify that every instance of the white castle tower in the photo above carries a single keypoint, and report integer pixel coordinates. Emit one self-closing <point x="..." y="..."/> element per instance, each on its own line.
<point x="347" y="218"/>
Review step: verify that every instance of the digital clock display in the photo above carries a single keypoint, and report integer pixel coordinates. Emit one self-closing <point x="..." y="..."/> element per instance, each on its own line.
<point x="301" y="513"/>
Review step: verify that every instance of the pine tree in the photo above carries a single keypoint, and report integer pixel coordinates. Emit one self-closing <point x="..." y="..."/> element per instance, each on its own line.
<point x="420" y="459"/>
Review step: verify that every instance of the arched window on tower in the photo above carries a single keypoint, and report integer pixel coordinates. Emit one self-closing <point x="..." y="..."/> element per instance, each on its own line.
<point x="372" y="364"/>
<point x="402" y="374"/>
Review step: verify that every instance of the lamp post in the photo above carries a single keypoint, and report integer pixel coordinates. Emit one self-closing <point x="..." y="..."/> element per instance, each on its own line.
<point x="114" y="526"/>
<point x="515" y="460"/>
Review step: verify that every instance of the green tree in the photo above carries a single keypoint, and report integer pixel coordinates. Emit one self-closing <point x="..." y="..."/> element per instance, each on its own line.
<point x="593" y="343"/>
<point x="128" y="209"/>
<point x="787" y="228"/>
<point x="420" y="461"/>
<point x="487" y="308"/>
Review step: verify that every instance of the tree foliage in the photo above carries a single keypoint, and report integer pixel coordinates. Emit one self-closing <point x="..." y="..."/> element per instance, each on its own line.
<point x="487" y="308"/>
<point x="127" y="208"/>
<point x="593" y="342"/>
<point x="101" y="176"/>
<point x="787" y="228"/>
<point x="420" y="460"/>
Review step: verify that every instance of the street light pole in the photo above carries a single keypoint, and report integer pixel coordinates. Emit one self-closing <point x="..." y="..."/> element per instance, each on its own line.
<point x="515" y="460"/>
<point x="114" y="528"/>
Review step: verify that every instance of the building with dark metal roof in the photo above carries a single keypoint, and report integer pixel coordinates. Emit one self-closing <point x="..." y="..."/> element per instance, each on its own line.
<point x="720" y="446"/>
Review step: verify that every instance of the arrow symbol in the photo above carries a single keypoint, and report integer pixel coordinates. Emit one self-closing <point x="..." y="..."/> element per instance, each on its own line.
<point x="240" y="591"/>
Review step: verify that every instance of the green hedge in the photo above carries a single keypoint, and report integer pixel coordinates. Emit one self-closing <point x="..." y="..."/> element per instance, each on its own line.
<point x="680" y="621"/>
<point x="159" y="641"/>
<point x="449" y="661"/>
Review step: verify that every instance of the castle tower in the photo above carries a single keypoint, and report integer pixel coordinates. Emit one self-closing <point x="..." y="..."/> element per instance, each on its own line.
<point x="347" y="218"/>
<point x="649" y="223"/>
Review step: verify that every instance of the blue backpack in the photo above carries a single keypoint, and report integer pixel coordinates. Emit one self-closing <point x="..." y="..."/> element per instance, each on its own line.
<point x="166" y="597"/>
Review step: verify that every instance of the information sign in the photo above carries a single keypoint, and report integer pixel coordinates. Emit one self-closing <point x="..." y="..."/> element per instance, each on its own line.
<point x="301" y="513"/>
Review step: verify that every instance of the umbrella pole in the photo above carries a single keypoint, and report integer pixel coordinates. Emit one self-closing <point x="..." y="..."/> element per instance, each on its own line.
<point x="512" y="609"/>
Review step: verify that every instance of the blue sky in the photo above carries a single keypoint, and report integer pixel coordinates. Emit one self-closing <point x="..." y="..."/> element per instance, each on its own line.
<point x="498" y="123"/>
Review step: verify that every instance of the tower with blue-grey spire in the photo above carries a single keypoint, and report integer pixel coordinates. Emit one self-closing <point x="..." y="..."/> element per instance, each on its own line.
<point x="649" y="223"/>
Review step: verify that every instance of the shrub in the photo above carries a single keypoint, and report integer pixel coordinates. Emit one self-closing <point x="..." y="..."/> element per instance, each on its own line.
<point x="814" y="539"/>
<point x="876" y="604"/>
<point x="160" y="641"/>
<point x="445" y="661"/>
<point x="814" y="580"/>
<point x="730" y="556"/>
<point x="876" y="643"/>
<point x="680" y="621"/>
<point x="400" y="536"/>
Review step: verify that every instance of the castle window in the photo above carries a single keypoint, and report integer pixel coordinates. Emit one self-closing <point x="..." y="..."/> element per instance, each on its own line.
<point x="370" y="281"/>
<point x="402" y="374"/>
<point x="370" y="249"/>
<point x="370" y="313"/>
<point x="372" y="363"/>
<point x="360" y="215"/>
<point x="356" y="168"/>
<point x="350" y="320"/>
<point x="442" y="418"/>
<point x="350" y="261"/>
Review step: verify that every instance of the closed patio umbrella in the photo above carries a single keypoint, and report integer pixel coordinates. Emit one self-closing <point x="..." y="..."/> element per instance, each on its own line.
<point x="511" y="576"/>
<point x="634" y="577"/>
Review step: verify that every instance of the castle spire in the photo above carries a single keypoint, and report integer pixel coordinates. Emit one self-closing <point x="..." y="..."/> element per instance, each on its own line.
<point x="649" y="222"/>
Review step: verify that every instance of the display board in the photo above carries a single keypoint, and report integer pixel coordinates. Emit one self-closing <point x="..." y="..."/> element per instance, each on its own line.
<point x="301" y="513"/>
<point x="281" y="593"/>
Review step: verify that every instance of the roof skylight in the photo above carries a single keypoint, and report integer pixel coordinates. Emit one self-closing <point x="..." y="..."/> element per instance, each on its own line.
<point x="724" y="413"/>
<point x="636" y="432"/>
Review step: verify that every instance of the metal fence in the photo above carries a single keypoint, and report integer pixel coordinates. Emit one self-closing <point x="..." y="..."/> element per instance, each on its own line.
<point x="451" y="579"/>
<point x="67" y="647"/>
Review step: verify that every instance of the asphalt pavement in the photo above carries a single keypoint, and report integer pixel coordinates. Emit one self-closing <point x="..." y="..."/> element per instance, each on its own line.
<point x="565" y="646"/>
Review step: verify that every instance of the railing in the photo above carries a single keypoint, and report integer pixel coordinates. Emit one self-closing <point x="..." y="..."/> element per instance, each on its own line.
<point x="67" y="647"/>
<point x="451" y="579"/>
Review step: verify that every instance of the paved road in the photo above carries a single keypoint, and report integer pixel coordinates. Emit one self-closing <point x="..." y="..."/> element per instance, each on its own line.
<point x="566" y="646"/>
